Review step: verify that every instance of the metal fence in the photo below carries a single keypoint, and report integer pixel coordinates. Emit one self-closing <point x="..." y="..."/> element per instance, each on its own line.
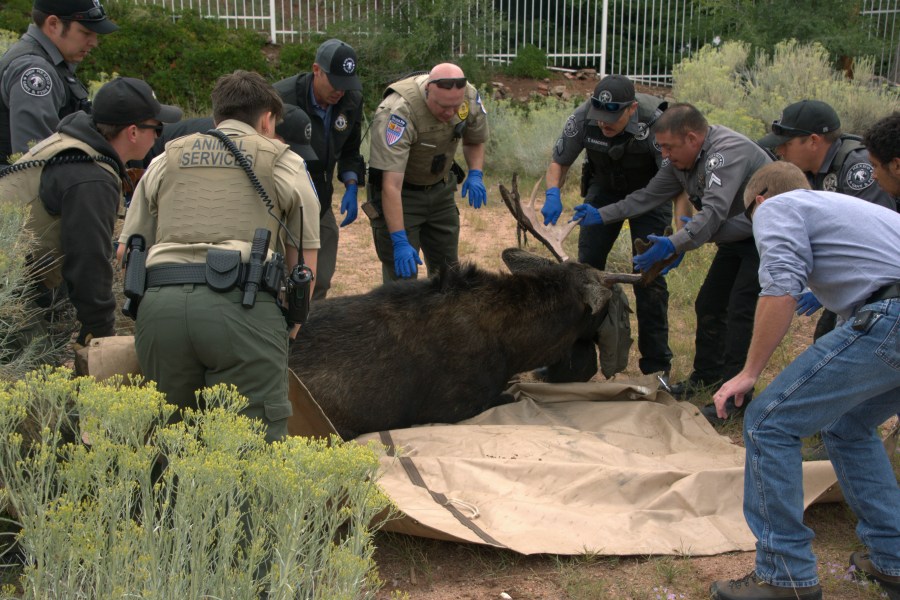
<point x="640" y="38"/>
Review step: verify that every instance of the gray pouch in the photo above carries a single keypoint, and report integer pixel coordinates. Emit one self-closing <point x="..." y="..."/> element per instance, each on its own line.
<point x="223" y="267"/>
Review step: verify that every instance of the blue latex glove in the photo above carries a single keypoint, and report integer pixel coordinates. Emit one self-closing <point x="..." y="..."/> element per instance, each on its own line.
<point x="807" y="304"/>
<point x="349" y="204"/>
<point x="474" y="187"/>
<point x="586" y="214"/>
<point x="552" y="206"/>
<point x="678" y="260"/>
<point x="661" y="249"/>
<point x="405" y="256"/>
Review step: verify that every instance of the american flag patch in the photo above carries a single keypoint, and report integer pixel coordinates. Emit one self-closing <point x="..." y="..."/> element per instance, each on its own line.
<point x="394" y="131"/>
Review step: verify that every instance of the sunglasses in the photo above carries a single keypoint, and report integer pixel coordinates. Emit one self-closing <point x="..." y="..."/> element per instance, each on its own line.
<point x="448" y="83"/>
<point x="748" y="212"/>
<point x="157" y="128"/>
<point x="609" y="106"/>
<point x="94" y="14"/>
<point x="779" y="129"/>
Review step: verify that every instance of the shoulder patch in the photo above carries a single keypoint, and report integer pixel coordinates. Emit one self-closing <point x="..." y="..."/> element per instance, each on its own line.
<point x="714" y="162"/>
<point x="463" y="112"/>
<point x="341" y="122"/>
<point x="560" y="146"/>
<point x="36" y="82"/>
<point x="394" y="130"/>
<point x="571" y="128"/>
<point x="829" y="184"/>
<point x="859" y="176"/>
<point x="643" y="132"/>
<point x="480" y="103"/>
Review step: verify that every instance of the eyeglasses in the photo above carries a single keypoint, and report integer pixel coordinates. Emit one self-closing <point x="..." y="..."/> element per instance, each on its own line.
<point x="94" y="14"/>
<point x="448" y="83"/>
<point x="609" y="106"/>
<point x="779" y="129"/>
<point x="157" y="128"/>
<point x="748" y="212"/>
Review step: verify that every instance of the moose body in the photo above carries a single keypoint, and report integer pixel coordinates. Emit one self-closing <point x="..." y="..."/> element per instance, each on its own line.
<point x="443" y="349"/>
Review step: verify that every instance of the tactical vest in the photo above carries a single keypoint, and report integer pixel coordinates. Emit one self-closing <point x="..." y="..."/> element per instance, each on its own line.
<point x="625" y="167"/>
<point x="76" y="94"/>
<point x="24" y="187"/>
<point x="435" y="139"/>
<point x="833" y="181"/>
<point x="205" y="197"/>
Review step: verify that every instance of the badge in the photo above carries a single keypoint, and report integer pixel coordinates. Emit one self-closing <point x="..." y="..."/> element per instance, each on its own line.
<point x="463" y="112"/>
<point x="643" y="132"/>
<point x="480" y="103"/>
<point x="349" y="65"/>
<point x="829" y="184"/>
<point x="859" y="176"/>
<point x="714" y="162"/>
<point x="394" y="131"/>
<point x="605" y="96"/>
<point x="36" y="82"/>
<point x="341" y="123"/>
<point x="571" y="128"/>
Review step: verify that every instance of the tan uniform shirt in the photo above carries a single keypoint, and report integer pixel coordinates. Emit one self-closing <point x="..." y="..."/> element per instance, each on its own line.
<point x="195" y="197"/>
<point x="407" y="138"/>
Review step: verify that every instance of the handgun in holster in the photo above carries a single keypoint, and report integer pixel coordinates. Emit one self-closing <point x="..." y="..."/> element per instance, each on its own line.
<point x="135" y="274"/>
<point x="457" y="172"/>
<point x="372" y="205"/>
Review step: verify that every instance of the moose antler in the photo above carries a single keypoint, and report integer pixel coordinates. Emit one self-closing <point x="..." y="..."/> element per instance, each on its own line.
<point x="530" y="221"/>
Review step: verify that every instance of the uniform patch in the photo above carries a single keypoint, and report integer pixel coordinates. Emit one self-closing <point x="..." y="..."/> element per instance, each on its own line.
<point x="307" y="132"/>
<point x="665" y="163"/>
<point x="714" y="179"/>
<point x="341" y="122"/>
<point x="36" y="82"/>
<point x="463" y="112"/>
<point x="829" y="184"/>
<point x="859" y="176"/>
<point x="560" y="146"/>
<point x="605" y="96"/>
<point x="571" y="128"/>
<point x="643" y="132"/>
<point x="480" y="103"/>
<point x="714" y="162"/>
<point x="349" y="65"/>
<point x="656" y="145"/>
<point x="394" y="131"/>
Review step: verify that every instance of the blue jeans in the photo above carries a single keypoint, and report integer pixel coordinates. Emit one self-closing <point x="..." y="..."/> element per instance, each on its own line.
<point x="846" y="384"/>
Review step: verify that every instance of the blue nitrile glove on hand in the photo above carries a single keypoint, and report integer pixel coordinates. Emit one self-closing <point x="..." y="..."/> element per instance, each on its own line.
<point x="474" y="187"/>
<point x="349" y="204"/>
<point x="405" y="256"/>
<point x="552" y="206"/>
<point x="586" y="214"/>
<point x="807" y="304"/>
<point x="661" y="249"/>
<point x="680" y="257"/>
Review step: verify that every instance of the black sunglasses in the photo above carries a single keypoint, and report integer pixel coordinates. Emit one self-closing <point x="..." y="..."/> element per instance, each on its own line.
<point x="748" y="212"/>
<point x="94" y="14"/>
<point x="609" y="106"/>
<point x="779" y="129"/>
<point x="448" y="83"/>
<point x="157" y="128"/>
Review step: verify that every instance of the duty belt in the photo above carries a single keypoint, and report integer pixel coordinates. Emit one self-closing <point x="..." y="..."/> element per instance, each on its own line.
<point x="891" y="290"/>
<point x="190" y="273"/>
<point x="415" y="187"/>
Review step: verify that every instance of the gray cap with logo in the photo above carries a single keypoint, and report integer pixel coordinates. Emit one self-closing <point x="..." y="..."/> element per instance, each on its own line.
<point x="338" y="60"/>
<point x="611" y="97"/>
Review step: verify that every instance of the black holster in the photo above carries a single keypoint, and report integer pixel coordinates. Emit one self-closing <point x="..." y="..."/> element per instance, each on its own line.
<point x="135" y="274"/>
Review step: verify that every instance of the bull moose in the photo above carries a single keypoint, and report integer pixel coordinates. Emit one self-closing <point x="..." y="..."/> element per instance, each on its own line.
<point x="444" y="349"/>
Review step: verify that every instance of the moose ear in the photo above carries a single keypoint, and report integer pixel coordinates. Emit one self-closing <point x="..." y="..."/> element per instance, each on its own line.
<point x="517" y="260"/>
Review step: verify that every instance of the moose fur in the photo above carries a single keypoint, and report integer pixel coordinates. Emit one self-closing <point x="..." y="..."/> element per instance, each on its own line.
<point x="443" y="349"/>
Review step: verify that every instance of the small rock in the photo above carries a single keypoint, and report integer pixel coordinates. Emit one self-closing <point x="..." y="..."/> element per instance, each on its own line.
<point x="505" y="596"/>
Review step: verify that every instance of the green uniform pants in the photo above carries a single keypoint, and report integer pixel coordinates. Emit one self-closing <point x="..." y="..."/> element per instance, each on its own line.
<point x="431" y="220"/>
<point x="326" y="260"/>
<point x="188" y="337"/>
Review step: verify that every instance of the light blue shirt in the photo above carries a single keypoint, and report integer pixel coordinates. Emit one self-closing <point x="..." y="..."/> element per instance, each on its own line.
<point x="841" y="247"/>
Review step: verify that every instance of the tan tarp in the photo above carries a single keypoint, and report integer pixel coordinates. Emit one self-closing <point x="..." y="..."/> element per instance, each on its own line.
<point x="606" y="468"/>
<point x="610" y="468"/>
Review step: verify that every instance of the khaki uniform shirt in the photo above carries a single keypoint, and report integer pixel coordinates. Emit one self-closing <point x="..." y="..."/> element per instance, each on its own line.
<point x="408" y="139"/>
<point x="195" y="196"/>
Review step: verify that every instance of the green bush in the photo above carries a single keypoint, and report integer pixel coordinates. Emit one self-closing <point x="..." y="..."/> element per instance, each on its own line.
<point x="15" y="15"/>
<point x="530" y="61"/>
<point x="228" y="517"/>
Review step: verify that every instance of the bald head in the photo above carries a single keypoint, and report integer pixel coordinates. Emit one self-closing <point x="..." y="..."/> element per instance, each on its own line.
<point x="445" y="91"/>
<point x="445" y="71"/>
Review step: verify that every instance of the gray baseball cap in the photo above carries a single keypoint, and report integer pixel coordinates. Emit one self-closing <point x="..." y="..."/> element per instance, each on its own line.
<point x="611" y="97"/>
<point x="87" y="12"/>
<point x="338" y="60"/>
<point x="126" y="100"/>
<point x="296" y="130"/>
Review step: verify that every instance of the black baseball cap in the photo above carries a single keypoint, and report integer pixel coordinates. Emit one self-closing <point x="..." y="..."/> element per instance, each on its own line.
<point x="126" y="100"/>
<point x="801" y="119"/>
<point x="87" y="12"/>
<point x="296" y="130"/>
<point x="338" y="60"/>
<point x="611" y="97"/>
